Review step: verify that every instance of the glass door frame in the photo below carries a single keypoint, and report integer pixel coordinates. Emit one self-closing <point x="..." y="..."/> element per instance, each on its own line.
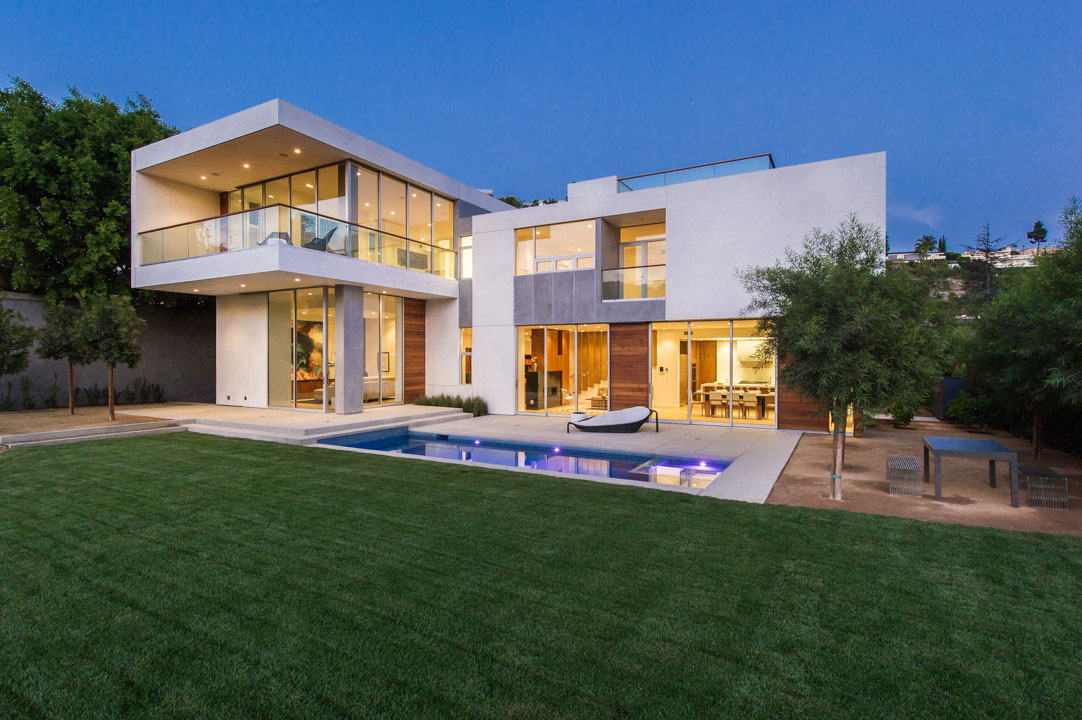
<point x="293" y="351"/>
<point x="543" y="411"/>
<point x="732" y="352"/>
<point x="399" y="323"/>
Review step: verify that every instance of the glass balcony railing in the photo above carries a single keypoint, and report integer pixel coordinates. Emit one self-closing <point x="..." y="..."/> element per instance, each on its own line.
<point x="633" y="283"/>
<point x="285" y="225"/>
<point x="696" y="172"/>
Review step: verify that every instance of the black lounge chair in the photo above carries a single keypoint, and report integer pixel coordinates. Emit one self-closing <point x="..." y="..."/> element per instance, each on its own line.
<point x="279" y="238"/>
<point x="320" y="243"/>
<point x="628" y="420"/>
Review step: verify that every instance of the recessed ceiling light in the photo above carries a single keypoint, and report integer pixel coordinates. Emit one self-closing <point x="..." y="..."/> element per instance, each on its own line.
<point x="297" y="151"/>
<point x="245" y="166"/>
<point x="437" y="205"/>
<point x="309" y="293"/>
<point x="243" y="285"/>
<point x="589" y="226"/>
<point x="202" y="177"/>
<point x="195" y="289"/>
<point x="366" y="204"/>
<point x="271" y="197"/>
<point x="308" y="185"/>
<point x="392" y="212"/>
<point x="414" y="194"/>
<point x="296" y="279"/>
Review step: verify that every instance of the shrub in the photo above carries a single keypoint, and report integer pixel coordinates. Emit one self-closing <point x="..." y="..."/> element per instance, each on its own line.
<point x="28" y="402"/>
<point x="52" y="399"/>
<point x="471" y="404"/>
<point x="967" y="409"/>
<point x="6" y="401"/>
<point x="901" y="415"/>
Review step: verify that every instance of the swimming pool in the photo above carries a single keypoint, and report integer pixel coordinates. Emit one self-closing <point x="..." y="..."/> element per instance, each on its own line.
<point x="663" y="470"/>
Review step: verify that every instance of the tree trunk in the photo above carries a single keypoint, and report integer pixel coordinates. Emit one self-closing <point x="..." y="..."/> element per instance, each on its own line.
<point x="1037" y="432"/>
<point x="839" y="456"/>
<point x="71" y="386"/>
<point x="112" y="411"/>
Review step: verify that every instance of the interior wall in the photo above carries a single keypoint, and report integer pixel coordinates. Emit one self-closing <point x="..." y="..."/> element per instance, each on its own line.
<point x="667" y="355"/>
<point x="241" y="367"/>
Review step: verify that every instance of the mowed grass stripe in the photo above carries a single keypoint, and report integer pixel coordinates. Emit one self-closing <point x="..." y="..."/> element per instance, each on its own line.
<point x="395" y="587"/>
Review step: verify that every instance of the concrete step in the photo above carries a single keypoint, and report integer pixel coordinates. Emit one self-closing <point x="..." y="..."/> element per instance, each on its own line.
<point x="87" y="432"/>
<point x="99" y="436"/>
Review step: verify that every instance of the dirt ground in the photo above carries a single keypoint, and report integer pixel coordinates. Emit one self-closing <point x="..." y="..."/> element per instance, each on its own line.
<point x="29" y="421"/>
<point x="967" y="498"/>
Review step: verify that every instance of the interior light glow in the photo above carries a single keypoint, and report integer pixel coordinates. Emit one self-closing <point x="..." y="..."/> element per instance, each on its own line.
<point x="202" y="177"/>
<point x="308" y="185"/>
<point x="246" y="166"/>
<point x="296" y="279"/>
<point x="297" y="151"/>
<point x="243" y="285"/>
<point x="414" y="195"/>
<point x="195" y="289"/>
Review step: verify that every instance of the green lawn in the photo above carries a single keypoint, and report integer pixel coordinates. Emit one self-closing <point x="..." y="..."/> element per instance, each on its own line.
<point x="194" y="576"/>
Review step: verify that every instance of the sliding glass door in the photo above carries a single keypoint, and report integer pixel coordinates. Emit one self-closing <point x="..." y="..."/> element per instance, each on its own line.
<point x="712" y="372"/>
<point x="300" y="348"/>
<point x="563" y="369"/>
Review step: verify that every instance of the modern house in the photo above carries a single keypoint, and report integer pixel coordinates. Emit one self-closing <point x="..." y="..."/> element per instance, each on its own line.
<point x="347" y="275"/>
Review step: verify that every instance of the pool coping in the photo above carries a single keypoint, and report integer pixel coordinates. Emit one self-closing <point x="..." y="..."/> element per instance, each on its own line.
<point x="749" y="477"/>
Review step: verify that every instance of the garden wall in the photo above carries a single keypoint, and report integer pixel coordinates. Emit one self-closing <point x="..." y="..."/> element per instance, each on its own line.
<point x="178" y="357"/>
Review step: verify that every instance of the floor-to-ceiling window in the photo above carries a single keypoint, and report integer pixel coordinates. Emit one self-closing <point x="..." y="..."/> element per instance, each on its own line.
<point x="712" y="371"/>
<point x="563" y="369"/>
<point x="383" y="355"/>
<point x="300" y="348"/>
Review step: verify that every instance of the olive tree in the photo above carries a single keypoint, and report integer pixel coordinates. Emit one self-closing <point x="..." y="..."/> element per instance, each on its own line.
<point x="848" y="333"/>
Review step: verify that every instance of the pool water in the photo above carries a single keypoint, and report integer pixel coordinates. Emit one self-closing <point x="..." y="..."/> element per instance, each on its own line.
<point x="680" y="471"/>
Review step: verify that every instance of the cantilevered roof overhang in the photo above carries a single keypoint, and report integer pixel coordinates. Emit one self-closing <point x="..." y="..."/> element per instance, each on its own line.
<point x="267" y="138"/>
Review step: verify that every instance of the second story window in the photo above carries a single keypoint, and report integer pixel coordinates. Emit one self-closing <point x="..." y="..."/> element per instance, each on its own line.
<point x="465" y="257"/>
<point x="552" y="248"/>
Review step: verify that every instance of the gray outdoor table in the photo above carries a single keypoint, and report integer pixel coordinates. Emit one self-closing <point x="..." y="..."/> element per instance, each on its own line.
<point x="990" y="450"/>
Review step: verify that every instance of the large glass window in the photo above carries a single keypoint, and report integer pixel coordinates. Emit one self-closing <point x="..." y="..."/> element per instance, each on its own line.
<point x="280" y="349"/>
<point x="392" y="205"/>
<point x="753" y="382"/>
<point x="309" y="339"/>
<point x="548" y="248"/>
<point x="709" y="371"/>
<point x="366" y="197"/>
<point x="418" y="226"/>
<point x="563" y="369"/>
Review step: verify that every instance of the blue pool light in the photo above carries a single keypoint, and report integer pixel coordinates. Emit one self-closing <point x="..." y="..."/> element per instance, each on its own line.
<point x="555" y="450"/>
<point x="476" y="442"/>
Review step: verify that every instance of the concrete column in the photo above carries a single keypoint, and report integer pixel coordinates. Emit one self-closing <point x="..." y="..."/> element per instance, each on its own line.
<point x="349" y="348"/>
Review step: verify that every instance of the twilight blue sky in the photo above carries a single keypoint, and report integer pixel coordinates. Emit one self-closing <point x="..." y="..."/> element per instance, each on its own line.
<point x="977" y="104"/>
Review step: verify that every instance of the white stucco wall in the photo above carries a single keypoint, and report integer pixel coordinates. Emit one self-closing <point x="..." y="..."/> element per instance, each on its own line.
<point x="716" y="227"/>
<point x="241" y="370"/>
<point x="442" y="348"/>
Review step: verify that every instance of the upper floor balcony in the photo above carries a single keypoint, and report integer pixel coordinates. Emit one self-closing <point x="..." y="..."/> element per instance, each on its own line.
<point x="280" y="224"/>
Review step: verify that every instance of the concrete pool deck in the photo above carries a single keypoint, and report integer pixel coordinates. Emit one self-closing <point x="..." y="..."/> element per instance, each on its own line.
<point x="758" y="456"/>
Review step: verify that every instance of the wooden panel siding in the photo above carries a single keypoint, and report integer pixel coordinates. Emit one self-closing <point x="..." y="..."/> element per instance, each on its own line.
<point x="413" y="321"/>
<point x="629" y="365"/>
<point x="798" y="413"/>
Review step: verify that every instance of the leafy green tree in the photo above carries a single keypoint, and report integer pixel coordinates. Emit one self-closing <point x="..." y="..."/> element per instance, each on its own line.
<point x="847" y="332"/>
<point x="512" y="201"/>
<point x="16" y="339"/>
<point x="65" y="189"/>
<point x="112" y="330"/>
<point x="942" y="245"/>
<point x="1027" y="349"/>
<point x="64" y="338"/>
<point x="1037" y="235"/>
